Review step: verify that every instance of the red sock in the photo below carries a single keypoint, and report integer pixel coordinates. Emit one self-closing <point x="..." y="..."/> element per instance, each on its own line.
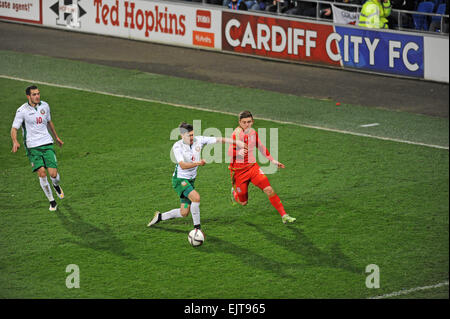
<point x="276" y="202"/>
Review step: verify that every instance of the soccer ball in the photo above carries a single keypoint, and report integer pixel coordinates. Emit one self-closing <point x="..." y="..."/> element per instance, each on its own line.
<point x="196" y="237"/>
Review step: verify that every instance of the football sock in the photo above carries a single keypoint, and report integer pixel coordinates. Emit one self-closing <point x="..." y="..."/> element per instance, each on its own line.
<point x="55" y="180"/>
<point x="195" y="211"/>
<point x="46" y="188"/>
<point x="174" y="213"/>
<point x="276" y="202"/>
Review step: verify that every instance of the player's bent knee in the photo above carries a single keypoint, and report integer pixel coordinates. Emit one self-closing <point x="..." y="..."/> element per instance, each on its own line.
<point x="53" y="173"/>
<point x="184" y="212"/>
<point x="41" y="172"/>
<point x="195" y="197"/>
<point x="243" y="203"/>
<point x="269" y="190"/>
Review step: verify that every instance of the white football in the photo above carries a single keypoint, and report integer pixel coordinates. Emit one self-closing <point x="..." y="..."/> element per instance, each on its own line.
<point x="196" y="237"/>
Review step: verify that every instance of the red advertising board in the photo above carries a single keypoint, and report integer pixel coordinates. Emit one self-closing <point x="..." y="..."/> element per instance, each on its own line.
<point x="205" y="39"/>
<point x="276" y="38"/>
<point x="203" y="19"/>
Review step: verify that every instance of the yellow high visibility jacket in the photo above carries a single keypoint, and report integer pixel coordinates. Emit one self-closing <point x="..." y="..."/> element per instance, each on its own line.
<point x="374" y="14"/>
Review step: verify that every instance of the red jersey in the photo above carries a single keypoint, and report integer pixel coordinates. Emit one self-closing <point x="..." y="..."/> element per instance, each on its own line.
<point x="252" y="140"/>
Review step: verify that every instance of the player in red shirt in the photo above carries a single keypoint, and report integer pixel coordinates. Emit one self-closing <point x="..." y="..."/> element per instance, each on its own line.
<point x="244" y="169"/>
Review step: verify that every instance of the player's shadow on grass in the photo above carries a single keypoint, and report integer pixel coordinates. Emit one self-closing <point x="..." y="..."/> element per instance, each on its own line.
<point x="214" y="245"/>
<point x="313" y="256"/>
<point x="90" y="236"/>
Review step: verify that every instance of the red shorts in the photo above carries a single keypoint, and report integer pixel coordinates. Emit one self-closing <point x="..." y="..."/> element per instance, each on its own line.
<point x="242" y="177"/>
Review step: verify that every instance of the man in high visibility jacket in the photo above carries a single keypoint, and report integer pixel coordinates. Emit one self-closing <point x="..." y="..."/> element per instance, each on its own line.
<point x="374" y="14"/>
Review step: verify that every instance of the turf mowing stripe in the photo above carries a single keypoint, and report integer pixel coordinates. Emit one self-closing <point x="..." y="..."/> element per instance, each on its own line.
<point x="408" y="291"/>
<point x="228" y="113"/>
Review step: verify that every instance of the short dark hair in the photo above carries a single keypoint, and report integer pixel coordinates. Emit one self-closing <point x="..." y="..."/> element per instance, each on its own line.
<point x="185" y="127"/>
<point x="28" y="89"/>
<point x="245" y="114"/>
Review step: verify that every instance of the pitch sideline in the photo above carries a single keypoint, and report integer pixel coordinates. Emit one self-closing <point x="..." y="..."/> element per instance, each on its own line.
<point x="408" y="291"/>
<point x="227" y="113"/>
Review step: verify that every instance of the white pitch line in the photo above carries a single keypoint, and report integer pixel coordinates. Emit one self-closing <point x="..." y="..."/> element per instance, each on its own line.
<point x="228" y="113"/>
<point x="408" y="291"/>
<point x="370" y="125"/>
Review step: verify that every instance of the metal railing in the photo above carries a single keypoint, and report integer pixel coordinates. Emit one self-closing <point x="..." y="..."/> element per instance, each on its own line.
<point x="400" y="14"/>
<point x="326" y="3"/>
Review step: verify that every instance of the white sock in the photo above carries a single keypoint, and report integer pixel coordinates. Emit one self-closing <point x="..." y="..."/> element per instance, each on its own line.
<point x="55" y="180"/>
<point x="46" y="188"/>
<point x="174" y="213"/>
<point x="195" y="211"/>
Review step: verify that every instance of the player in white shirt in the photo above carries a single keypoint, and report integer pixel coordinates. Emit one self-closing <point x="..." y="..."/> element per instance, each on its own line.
<point x="187" y="152"/>
<point x="35" y="120"/>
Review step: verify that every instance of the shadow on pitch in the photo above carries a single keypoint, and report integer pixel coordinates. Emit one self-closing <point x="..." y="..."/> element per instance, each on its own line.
<point x="215" y="245"/>
<point x="90" y="236"/>
<point x="313" y="256"/>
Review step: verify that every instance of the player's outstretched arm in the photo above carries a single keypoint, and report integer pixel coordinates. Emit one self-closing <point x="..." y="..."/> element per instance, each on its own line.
<point x="280" y="165"/>
<point x="185" y="165"/>
<point x="16" y="144"/>
<point x="51" y="127"/>
<point x="266" y="153"/>
<point x="228" y="140"/>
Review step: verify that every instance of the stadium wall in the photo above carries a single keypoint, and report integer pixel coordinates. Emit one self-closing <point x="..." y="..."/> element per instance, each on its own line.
<point x="389" y="52"/>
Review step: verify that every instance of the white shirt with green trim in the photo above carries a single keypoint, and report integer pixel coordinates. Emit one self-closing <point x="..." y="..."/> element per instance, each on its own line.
<point x="33" y="121"/>
<point x="189" y="154"/>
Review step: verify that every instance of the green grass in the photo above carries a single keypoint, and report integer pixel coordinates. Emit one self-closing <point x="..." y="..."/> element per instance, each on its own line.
<point x="219" y="97"/>
<point x="358" y="201"/>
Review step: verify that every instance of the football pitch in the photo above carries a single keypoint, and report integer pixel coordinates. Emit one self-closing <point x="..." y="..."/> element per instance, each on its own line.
<point x="358" y="201"/>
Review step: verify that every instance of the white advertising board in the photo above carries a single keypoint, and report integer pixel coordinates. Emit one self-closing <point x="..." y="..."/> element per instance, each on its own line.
<point x="153" y="21"/>
<point x="436" y="59"/>
<point x="27" y="11"/>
